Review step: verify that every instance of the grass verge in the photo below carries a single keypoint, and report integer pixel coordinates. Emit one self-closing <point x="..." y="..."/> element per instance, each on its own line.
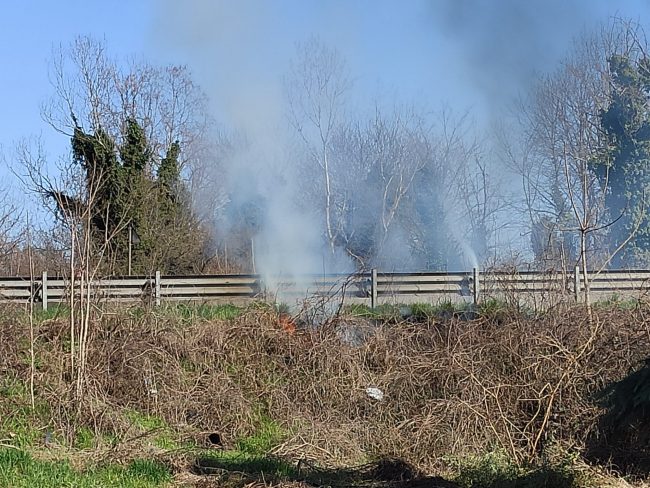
<point x="19" y="469"/>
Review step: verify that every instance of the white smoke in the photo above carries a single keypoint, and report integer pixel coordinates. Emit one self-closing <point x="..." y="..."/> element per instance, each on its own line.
<point x="241" y="51"/>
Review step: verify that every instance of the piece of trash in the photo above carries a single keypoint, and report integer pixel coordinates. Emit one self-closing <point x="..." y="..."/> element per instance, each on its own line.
<point x="48" y="438"/>
<point x="375" y="393"/>
<point x="151" y="388"/>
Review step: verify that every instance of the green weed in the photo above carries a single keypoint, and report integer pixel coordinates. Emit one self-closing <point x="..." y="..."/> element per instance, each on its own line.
<point x="144" y="421"/>
<point x="444" y="309"/>
<point x="268" y="435"/>
<point x="420" y="312"/>
<point x="189" y="312"/>
<point x="497" y="470"/>
<point x="148" y="470"/>
<point x="84" y="438"/>
<point x="492" y="308"/>
<point x="163" y="435"/>
<point x="53" y="312"/>
<point x="12" y="387"/>
<point x="282" y="308"/>
<point x="18" y="469"/>
<point x="617" y="302"/>
<point x="385" y="312"/>
<point x="20" y="424"/>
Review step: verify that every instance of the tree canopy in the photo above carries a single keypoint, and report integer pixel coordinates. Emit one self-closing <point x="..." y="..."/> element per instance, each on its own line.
<point x="121" y="195"/>
<point x="626" y="165"/>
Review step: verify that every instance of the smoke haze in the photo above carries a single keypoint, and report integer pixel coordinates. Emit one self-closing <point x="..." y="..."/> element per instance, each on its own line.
<point x="470" y="55"/>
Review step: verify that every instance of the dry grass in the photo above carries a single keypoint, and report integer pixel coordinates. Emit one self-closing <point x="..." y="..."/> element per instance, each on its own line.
<point x="452" y="388"/>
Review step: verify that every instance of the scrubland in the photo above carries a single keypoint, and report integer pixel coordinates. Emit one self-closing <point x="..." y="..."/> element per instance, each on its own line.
<point x="225" y="396"/>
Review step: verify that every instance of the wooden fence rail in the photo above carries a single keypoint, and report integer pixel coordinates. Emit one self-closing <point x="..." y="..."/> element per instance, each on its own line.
<point x="372" y="288"/>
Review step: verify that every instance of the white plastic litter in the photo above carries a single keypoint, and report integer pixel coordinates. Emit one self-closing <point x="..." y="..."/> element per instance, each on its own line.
<point x="375" y="393"/>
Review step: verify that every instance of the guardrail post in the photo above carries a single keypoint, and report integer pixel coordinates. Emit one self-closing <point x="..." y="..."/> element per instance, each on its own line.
<point x="576" y="283"/>
<point x="373" y="288"/>
<point x="476" y="289"/>
<point x="44" y="290"/>
<point x="157" y="289"/>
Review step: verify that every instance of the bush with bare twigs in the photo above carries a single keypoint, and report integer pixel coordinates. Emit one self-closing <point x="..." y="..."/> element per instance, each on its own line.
<point x="451" y="388"/>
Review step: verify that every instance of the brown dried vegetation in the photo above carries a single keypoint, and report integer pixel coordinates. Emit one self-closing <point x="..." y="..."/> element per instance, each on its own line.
<point x="452" y="387"/>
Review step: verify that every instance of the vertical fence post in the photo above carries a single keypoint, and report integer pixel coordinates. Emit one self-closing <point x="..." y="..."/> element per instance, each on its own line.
<point x="44" y="290"/>
<point x="373" y="288"/>
<point x="157" y="289"/>
<point x="576" y="283"/>
<point x="477" y="288"/>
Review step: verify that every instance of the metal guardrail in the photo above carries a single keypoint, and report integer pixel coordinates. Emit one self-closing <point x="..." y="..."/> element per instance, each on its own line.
<point x="372" y="287"/>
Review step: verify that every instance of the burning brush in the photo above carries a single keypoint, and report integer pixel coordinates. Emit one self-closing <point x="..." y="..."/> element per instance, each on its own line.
<point x="285" y="319"/>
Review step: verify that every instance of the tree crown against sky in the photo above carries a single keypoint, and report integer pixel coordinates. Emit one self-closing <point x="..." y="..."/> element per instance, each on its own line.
<point x="420" y="177"/>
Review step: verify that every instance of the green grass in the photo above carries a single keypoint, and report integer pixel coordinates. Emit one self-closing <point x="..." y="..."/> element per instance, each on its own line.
<point x="26" y="429"/>
<point x="162" y="435"/>
<point x="13" y="388"/>
<point x="19" y="469"/>
<point x="417" y="311"/>
<point x="20" y="424"/>
<point x="144" y="421"/>
<point x="22" y="428"/>
<point x="251" y="455"/>
<point x="186" y="313"/>
<point x="204" y="311"/>
<point x="269" y="434"/>
<point x="494" y="470"/>
<point x="497" y="470"/>
<point x="282" y="308"/>
<point x="52" y="312"/>
<point x="381" y="312"/>
<point x="492" y="308"/>
<point x="84" y="438"/>
<point x="618" y="302"/>
<point x="425" y="311"/>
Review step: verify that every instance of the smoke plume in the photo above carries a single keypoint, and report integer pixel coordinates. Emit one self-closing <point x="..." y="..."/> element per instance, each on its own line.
<point x="472" y="54"/>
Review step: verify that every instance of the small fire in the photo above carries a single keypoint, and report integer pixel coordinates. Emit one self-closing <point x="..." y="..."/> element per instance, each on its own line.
<point x="287" y="323"/>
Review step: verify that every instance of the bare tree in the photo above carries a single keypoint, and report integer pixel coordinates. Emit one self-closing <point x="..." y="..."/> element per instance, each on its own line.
<point x="373" y="166"/>
<point x="400" y="183"/>
<point x="12" y="230"/>
<point x="92" y="91"/>
<point x="73" y="195"/>
<point x="398" y="147"/>
<point x="566" y="158"/>
<point x="561" y="142"/>
<point x="316" y="95"/>
<point x="483" y="200"/>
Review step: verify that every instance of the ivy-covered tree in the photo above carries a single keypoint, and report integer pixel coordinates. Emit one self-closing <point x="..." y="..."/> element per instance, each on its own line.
<point x="96" y="155"/>
<point x="626" y="166"/>
<point x="121" y="117"/>
<point x="169" y="176"/>
<point x="179" y="239"/>
<point x="135" y="152"/>
<point x="121" y="196"/>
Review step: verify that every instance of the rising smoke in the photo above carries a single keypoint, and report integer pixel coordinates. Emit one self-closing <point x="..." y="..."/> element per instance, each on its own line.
<point x="272" y="182"/>
<point x="504" y="46"/>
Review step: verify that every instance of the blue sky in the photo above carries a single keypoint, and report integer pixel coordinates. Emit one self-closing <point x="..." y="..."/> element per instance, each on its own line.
<point x="468" y="54"/>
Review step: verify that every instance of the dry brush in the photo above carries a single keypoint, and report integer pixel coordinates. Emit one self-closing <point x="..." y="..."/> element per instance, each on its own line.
<point x="452" y="387"/>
